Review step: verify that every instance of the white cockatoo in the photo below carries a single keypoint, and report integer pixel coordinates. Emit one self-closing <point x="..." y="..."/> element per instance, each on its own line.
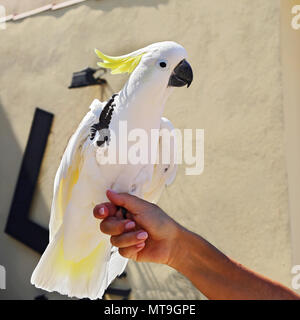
<point x="79" y="260"/>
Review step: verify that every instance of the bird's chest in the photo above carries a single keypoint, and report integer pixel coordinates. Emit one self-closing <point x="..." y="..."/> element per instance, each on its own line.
<point x="124" y="153"/>
<point x="103" y="172"/>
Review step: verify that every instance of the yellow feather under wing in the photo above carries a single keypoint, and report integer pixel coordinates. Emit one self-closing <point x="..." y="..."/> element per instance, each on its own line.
<point x="62" y="195"/>
<point x="66" y="186"/>
<point x="75" y="270"/>
<point x="84" y="278"/>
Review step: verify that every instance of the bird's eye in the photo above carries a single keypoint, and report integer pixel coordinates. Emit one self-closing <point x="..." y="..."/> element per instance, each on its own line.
<point x="162" y="64"/>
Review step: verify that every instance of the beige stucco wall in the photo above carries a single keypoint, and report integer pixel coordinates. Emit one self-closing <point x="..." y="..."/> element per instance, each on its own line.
<point x="240" y="202"/>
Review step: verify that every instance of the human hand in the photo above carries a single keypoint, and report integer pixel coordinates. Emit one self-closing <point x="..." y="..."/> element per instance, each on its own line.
<point x="147" y="235"/>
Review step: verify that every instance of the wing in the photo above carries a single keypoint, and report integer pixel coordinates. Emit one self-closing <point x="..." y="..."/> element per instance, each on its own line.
<point x="165" y="170"/>
<point x="69" y="168"/>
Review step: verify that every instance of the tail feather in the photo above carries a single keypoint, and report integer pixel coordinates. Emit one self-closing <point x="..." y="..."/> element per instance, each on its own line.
<point x="87" y="278"/>
<point x="117" y="265"/>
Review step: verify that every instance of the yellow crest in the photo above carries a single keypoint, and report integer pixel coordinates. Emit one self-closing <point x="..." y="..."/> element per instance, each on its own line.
<point x="120" y="64"/>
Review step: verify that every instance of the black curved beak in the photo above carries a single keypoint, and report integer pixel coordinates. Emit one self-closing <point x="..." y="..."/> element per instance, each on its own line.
<point x="182" y="75"/>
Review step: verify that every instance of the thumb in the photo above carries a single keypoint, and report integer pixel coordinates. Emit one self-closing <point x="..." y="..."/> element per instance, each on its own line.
<point x="132" y="203"/>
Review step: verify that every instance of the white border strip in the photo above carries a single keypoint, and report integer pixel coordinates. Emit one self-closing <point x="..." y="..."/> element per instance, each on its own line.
<point x="65" y="4"/>
<point x="26" y="14"/>
<point x="32" y="12"/>
<point x="7" y="18"/>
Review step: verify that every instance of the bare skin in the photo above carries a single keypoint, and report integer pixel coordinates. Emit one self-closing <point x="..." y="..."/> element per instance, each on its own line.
<point x="150" y="235"/>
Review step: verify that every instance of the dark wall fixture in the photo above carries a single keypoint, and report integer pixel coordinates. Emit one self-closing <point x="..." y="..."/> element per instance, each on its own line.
<point x="18" y="224"/>
<point x="86" y="78"/>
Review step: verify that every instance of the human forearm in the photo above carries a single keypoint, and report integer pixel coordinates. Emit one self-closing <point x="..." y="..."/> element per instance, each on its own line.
<point x="216" y="275"/>
<point x="165" y="241"/>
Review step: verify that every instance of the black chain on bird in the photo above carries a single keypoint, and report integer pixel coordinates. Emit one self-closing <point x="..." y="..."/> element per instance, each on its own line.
<point x="103" y="125"/>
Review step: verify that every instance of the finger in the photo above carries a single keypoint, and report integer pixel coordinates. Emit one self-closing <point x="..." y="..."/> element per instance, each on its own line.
<point x="113" y="226"/>
<point x="129" y="239"/>
<point x="131" y="252"/>
<point x="131" y="203"/>
<point x="104" y="210"/>
<point x="100" y="211"/>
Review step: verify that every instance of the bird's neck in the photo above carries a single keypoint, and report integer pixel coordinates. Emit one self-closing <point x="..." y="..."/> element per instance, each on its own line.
<point x="142" y="107"/>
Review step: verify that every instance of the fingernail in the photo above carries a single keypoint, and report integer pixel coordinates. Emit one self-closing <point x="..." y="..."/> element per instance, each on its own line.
<point x="101" y="212"/>
<point x="142" y="235"/>
<point x="112" y="191"/>
<point x="140" y="245"/>
<point x="129" y="225"/>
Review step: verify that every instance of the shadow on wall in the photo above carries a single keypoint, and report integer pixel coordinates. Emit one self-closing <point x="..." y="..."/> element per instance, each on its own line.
<point x="18" y="259"/>
<point x="174" y="286"/>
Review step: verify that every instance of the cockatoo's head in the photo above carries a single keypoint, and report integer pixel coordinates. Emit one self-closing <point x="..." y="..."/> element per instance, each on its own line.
<point x="158" y="66"/>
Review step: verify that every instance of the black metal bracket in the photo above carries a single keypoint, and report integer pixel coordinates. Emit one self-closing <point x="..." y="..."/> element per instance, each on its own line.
<point x="86" y="78"/>
<point x="18" y="223"/>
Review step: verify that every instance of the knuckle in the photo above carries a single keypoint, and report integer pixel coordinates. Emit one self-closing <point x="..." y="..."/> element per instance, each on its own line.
<point x="124" y="253"/>
<point x="111" y="227"/>
<point x="120" y="227"/>
<point x="154" y="206"/>
<point x="103" y="227"/>
<point x="114" y="241"/>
